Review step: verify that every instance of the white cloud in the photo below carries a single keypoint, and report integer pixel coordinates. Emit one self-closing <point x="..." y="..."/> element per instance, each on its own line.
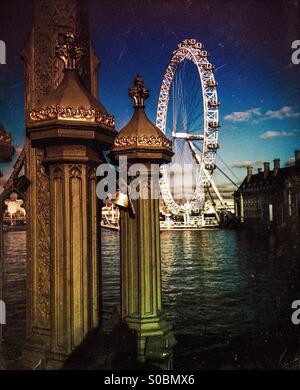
<point x="242" y="164"/>
<point x="226" y="188"/>
<point x="243" y="116"/>
<point x="256" y="116"/>
<point x="283" y="113"/>
<point x="246" y="163"/>
<point x="290" y="161"/>
<point x="276" y="134"/>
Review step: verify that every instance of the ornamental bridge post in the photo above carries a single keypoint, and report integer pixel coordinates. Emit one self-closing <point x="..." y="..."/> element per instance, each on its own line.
<point x="72" y="128"/>
<point x="141" y="306"/>
<point x="43" y="72"/>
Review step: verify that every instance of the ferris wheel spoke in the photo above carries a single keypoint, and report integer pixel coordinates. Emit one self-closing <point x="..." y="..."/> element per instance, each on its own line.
<point x="195" y="153"/>
<point x="187" y="136"/>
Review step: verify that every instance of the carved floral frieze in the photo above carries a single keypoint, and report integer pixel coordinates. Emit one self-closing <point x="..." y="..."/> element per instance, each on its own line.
<point x="69" y="112"/>
<point x="144" y="140"/>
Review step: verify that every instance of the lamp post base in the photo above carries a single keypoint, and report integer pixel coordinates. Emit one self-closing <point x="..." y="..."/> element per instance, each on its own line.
<point x="155" y="340"/>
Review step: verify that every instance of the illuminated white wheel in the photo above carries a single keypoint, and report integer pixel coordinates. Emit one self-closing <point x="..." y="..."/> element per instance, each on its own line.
<point x="198" y="136"/>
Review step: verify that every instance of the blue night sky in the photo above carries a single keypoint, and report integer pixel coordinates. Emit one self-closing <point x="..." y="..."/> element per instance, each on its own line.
<point x="249" y="43"/>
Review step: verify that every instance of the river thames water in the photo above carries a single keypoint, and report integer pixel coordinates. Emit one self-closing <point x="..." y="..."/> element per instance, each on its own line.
<point x="227" y="293"/>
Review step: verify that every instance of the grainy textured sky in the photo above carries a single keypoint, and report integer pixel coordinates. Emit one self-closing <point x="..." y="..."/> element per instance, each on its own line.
<point x="249" y="43"/>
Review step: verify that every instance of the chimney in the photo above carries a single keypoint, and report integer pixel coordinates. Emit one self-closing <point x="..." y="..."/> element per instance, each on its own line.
<point x="249" y="173"/>
<point x="276" y="166"/>
<point x="259" y="170"/>
<point x="266" y="169"/>
<point x="297" y="157"/>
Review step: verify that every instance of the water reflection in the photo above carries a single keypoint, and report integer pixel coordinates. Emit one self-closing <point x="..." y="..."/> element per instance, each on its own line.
<point x="14" y="292"/>
<point x="225" y="282"/>
<point x="110" y="249"/>
<point x="228" y="294"/>
<point x="222" y="289"/>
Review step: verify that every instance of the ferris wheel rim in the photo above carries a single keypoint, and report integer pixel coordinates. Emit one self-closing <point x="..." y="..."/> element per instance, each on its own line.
<point x="191" y="50"/>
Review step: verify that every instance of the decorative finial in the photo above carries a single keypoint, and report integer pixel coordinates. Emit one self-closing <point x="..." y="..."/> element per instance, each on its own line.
<point x="138" y="93"/>
<point x="68" y="51"/>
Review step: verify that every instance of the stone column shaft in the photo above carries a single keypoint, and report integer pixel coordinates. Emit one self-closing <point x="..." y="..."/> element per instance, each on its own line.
<point x="141" y="305"/>
<point x="74" y="255"/>
<point x="141" y="273"/>
<point x="141" y="308"/>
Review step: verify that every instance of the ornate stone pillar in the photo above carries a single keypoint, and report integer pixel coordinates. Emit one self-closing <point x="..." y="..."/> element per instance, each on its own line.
<point x="43" y="72"/>
<point x="74" y="253"/>
<point x="141" y="306"/>
<point x="71" y="127"/>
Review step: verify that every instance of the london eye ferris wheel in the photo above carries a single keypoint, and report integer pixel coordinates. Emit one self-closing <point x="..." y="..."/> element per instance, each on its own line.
<point x="188" y="113"/>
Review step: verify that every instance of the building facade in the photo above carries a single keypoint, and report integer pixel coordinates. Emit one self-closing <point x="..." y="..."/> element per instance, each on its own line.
<point x="270" y="198"/>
